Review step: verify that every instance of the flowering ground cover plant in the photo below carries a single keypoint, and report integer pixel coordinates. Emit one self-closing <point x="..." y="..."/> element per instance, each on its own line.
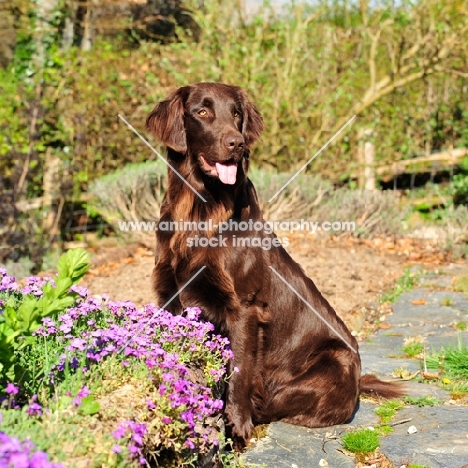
<point x="94" y="382"/>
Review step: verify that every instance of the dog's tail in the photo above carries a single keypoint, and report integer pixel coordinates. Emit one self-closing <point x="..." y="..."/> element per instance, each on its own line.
<point x="372" y="386"/>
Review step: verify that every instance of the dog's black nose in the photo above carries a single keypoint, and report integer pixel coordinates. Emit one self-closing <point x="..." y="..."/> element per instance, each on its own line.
<point x="233" y="141"/>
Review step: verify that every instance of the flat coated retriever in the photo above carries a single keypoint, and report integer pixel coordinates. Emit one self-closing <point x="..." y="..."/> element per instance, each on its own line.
<point x="296" y="360"/>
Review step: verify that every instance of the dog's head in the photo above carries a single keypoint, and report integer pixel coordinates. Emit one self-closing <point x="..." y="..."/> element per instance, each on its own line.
<point x="213" y="123"/>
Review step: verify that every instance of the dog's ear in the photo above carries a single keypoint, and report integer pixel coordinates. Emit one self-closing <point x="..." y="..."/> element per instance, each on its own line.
<point x="166" y="120"/>
<point x="252" y="126"/>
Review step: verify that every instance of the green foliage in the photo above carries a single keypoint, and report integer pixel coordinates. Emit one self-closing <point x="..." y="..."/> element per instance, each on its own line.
<point x="388" y="409"/>
<point x="446" y="302"/>
<point x="89" y="406"/>
<point x="65" y="105"/>
<point x="453" y="362"/>
<point x="460" y="187"/>
<point x="461" y="284"/>
<point x="363" y="441"/>
<point x="72" y="266"/>
<point x="267" y="55"/>
<point x="230" y="459"/>
<point x="407" y="282"/>
<point x="20" y="318"/>
<point x="413" y="349"/>
<point x="384" y="430"/>
<point x="135" y="193"/>
<point x="422" y="401"/>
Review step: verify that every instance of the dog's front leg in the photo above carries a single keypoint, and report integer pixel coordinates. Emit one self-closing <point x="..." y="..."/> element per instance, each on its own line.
<point x="165" y="285"/>
<point x="243" y="335"/>
<point x="213" y="291"/>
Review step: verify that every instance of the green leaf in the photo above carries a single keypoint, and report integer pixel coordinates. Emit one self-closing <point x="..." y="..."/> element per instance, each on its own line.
<point x="64" y="402"/>
<point x="27" y="313"/>
<point x="73" y="264"/>
<point x="57" y="306"/>
<point x="9" y="316"/>
<point x="49" y="291"/>
<point x="28" y="340"/>
<point x="89" y="406"/>
<point x="63" y="285"/>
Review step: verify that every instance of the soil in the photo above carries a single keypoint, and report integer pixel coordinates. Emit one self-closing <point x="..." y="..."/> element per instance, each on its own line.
<point x="352" y="274"/>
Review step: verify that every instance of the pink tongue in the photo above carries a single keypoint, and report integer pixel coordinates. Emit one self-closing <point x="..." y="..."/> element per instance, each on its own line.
<point x="227" y="173"/>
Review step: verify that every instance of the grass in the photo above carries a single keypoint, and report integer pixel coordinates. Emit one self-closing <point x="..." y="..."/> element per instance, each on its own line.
<point x="461" y="284"/>
<point x="421" y="401"/>
<point x="384" y="430"/>
<point x="402" y="373"/>
<point x="446" y="302"/>
<point x="407" y="282"/>
<point x="361" y="442"/>
<point x="413" y="349"/>
<point x="387" y="410"/>
<point x="452" y="361"/>
<point x="452" y="365"/>
<point x="260" y="431"/>
<point x="458" y="390"/>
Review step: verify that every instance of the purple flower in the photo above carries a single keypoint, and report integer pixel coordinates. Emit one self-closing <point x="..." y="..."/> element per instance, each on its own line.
<point x="7" y="283"/>
<point x="34" y="409"/>
<point x="84" y="392"/>
<point x="65" y="328"/>
<point x="119" y="433"/>
<point x="117" y="448"/>
<point x="134" y="433"/>
<point x="17" y="454"/>
<point x="80" y="290"/>
<point x="12" y="389"/>
<point x="78" y="344"/>
<point x="193" y="313"/>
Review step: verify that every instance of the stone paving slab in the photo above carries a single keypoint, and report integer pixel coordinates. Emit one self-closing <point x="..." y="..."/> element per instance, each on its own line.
<point x="441" y="440"/>
<point x="442" y="437"/>
<point x="287" y="445"/>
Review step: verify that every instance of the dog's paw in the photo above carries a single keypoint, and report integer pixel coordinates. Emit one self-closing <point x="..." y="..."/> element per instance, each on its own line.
<point x="240" y="433"/>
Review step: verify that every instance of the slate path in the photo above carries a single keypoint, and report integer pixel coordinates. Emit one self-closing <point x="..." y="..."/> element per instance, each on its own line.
<point x="441" y="440"/>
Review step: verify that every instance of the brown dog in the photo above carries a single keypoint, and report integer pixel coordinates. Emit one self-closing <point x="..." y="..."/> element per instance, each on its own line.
<point x="296" y="360"/>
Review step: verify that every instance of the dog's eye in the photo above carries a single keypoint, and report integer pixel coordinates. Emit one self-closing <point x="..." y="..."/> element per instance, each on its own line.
<point x="236" y="114"/>
<point x="202" y="112"/>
